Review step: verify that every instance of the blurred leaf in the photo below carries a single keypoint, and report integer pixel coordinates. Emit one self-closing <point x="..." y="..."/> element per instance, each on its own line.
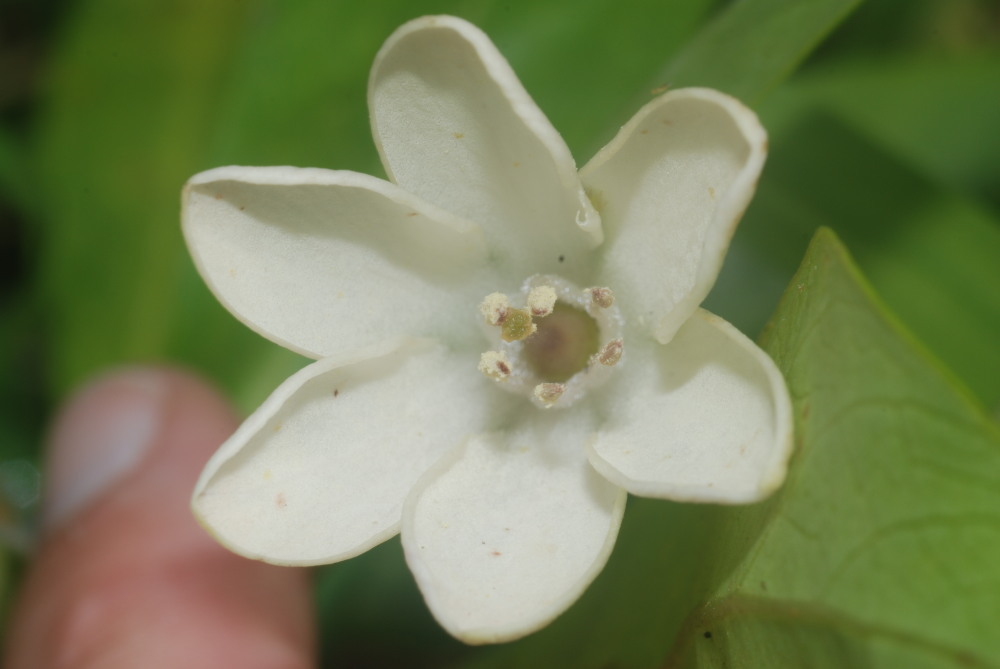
<point x="755" y="44"/>
<point x="881" y="550"/>
<point x="935" y="111"/>
<point x="12" y="181"/>
<point x="128" y="114"/>
<point x="886" y="26"/>
<point x="931" y="254"/>
<point x="20" y="423"/>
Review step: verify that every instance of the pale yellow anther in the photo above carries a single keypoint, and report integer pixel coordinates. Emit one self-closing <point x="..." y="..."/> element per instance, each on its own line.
<point x="610" y="353"/>
<point x="541" y="299"/>
<point x="602" y="297"/>
<point x="495" y="365"/>
<point x="549" y="393"/>
<point x="494" y="308"/>
<point x="517" y="325"/>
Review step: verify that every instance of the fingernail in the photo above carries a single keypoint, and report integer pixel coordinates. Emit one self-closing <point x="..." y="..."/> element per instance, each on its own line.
<point x="100" y="435"/>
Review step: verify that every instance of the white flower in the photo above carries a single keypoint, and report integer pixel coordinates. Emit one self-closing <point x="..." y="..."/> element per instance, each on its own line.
<point x="505" y="473"/>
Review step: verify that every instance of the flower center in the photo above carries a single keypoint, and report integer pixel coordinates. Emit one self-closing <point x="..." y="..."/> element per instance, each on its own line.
<point x="562" y="345"/>
<point x="564" y="341"/>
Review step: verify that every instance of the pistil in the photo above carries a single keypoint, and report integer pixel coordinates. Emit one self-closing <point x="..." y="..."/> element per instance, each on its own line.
<point x="563" y="344"/>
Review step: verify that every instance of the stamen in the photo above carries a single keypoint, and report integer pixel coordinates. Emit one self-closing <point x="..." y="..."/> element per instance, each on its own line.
<point x="610" y="353"/>
<point x="549" y="393"/>
<point x="494" y="308"/>
<point x="602" y="297"/>
<point x="541" y="300"/>
<point x="517" y="325"/>
<point x="495" y="365"/>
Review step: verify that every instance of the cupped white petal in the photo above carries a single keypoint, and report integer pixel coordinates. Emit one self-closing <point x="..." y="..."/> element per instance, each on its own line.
<point x="706" y="419"/>
<point x="671" y="187"/>
<point x="507" y="533"/>
<point x="455" y="126"/>
<point x="320" y="471"/>
<point x="323" y="261"/>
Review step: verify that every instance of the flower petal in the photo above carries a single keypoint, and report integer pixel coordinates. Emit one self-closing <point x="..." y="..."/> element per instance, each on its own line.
<point x="320" y="471"/>
<point x="671" y="188"/>
<point x="506" y="534"/>
<point x="706" y="419"/>
<point x="455" y="126"/>
<point x="322" y="261"/>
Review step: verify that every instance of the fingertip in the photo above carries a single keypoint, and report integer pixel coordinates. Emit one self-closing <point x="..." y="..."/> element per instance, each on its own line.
<point x="125" y="576"/>
<point x="101" y="434"/>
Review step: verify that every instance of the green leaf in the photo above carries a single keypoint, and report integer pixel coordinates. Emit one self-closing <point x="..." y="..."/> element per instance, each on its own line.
<point x="881" y="550"/>
<point x="883" y="547"/>
<point x="754" y="44"/>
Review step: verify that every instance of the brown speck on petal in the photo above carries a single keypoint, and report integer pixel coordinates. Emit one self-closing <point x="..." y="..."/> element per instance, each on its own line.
<point x="280" y="501"/>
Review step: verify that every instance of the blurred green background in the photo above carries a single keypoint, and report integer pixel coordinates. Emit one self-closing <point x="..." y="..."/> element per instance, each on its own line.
<point x="885" y="126"/>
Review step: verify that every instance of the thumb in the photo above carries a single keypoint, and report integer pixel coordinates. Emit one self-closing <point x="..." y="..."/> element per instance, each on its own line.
<point x="125" y="577"/>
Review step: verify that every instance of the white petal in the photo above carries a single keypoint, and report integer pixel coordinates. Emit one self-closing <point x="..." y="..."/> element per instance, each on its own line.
<point x="705" y="418"/>
<point x="507" y="534"/>
<point x="322" y="261"/>
<point x="320" y="471"/>
<point x="671" y="188"/>
<point x="455" y="126"/>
